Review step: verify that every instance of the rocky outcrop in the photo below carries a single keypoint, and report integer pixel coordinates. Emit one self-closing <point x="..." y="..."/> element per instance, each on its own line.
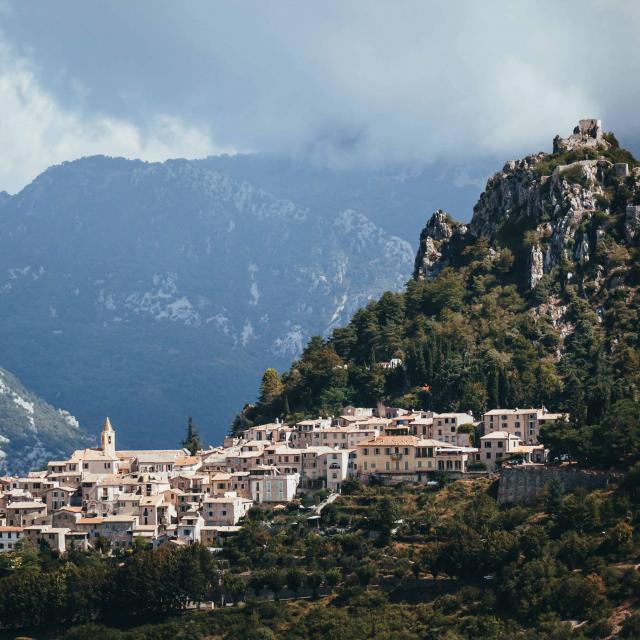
<point x="536" y="270"/>
<point x="632" y="223"/>
<point x="510" y="195"/>
<point x="433" y="254"/>
<point x="545" y="196"/>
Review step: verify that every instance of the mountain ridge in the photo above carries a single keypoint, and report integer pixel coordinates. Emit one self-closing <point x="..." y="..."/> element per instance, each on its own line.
<point x="118" y="276"/>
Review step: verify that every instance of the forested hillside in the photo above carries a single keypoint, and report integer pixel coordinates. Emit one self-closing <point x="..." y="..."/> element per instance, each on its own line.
<point x="535" y="302"/>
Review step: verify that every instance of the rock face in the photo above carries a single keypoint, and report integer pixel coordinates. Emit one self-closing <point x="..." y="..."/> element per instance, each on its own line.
<point x="33" y="432"/>
<point x="432" y="254"/>
<point x="632" y="223"/>
<point x="548" y="200"/>
<point x="536" y="270"/>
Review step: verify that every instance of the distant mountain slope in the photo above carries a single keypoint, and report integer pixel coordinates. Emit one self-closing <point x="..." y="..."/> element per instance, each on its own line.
<point x="154" y="291"/>
<point x="394" y="199"/>
<point x="32" y="432"/>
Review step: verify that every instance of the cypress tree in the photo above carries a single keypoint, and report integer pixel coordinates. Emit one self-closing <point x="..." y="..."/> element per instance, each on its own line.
<point x="192" y="441"/>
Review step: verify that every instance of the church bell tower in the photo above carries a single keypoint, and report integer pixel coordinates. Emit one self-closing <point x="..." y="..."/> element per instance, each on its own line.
<point x="108" y="437"/>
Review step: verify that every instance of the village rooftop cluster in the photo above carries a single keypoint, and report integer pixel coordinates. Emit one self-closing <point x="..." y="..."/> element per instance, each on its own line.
<point x="107" y="497"/>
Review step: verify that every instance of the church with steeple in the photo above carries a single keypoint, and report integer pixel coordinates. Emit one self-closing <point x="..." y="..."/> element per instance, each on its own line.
<point x="105" y="459"/>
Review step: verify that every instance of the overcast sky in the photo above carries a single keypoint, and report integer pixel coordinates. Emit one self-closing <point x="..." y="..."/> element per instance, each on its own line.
<point x="363" y="83"/>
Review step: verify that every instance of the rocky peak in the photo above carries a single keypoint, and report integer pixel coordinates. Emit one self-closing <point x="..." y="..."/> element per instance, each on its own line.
<point x="543" y="208"/>
<point x="432" y="254"/>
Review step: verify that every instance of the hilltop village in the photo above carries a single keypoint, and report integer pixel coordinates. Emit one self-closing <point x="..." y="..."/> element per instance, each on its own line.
<point x="107" y="499"/>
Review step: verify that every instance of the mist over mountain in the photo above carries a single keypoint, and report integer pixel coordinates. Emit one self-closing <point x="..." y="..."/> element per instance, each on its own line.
<point x="154" y="291"/>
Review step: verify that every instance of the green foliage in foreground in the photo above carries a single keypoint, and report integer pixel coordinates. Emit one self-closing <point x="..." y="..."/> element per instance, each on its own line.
<point x="402" y="562"/>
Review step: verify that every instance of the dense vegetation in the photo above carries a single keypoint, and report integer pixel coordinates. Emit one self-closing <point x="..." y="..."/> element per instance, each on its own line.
<point x="477" y="337"/>
<point x="403" y="562"/>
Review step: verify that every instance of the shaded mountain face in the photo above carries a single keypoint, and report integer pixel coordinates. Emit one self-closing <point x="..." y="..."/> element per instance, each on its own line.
<point x="150" y="292"/>
<point x="33" y="432"/>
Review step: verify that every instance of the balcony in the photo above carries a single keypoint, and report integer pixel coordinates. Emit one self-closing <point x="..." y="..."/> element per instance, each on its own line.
<point x="396" y="456"/>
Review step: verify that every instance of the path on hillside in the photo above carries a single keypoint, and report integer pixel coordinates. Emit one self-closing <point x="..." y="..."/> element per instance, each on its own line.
<point x="317" y="510"/>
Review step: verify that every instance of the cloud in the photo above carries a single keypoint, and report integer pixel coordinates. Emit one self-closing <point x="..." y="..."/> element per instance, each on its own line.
<point x="36" y="131"/>
<point x="341" y="82"/>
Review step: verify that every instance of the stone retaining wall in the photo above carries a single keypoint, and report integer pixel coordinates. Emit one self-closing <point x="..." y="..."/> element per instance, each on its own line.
<point x="523" y="485"/>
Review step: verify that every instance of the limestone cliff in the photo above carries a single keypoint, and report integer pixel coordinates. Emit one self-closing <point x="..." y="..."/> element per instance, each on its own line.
<point x="435" y="243"/>
<point x="576" y="209"/>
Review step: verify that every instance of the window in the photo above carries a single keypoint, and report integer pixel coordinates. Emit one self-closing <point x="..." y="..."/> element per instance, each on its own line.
<point x="487" y="456"/>
<point x="500" y="445"/>
<point x="387" y="451"/>
<point x="386" y="466"/>
<point x="377" y="451"/>
<point x="487" y="445"/>
<point x="365" y="452"/>
<point x="406" y="451"/>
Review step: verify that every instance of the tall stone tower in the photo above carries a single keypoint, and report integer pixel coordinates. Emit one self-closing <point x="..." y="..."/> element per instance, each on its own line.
<point x="108" y="437"/>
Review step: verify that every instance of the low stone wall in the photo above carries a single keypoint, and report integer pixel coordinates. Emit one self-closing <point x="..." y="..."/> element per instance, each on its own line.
<point x="523" y="485"/>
